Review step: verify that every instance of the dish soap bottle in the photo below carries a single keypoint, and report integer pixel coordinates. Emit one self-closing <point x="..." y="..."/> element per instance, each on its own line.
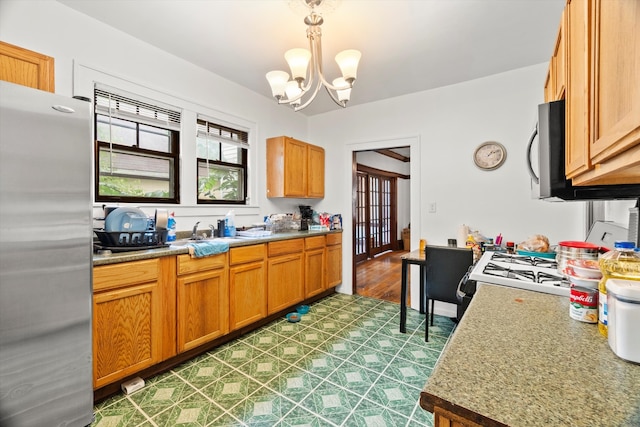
<point x="620" y="263"/>
<point x="171" y="228"/>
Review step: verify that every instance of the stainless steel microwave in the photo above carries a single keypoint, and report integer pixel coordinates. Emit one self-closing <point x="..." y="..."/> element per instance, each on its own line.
<point x="549" y="181"/>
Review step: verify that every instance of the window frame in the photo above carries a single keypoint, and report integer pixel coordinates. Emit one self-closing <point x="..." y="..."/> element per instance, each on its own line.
<point x="173" y="155"/>
<point x="242" y="144"/>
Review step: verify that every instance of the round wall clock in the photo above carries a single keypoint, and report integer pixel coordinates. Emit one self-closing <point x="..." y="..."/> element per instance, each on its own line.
<point x="490" y="155"/>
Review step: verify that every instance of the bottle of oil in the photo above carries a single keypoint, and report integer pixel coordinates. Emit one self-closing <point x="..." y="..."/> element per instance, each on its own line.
<point x="620" y="263"/>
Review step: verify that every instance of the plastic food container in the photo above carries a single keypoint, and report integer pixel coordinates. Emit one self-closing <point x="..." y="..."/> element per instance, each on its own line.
<point x="583" y="282"/>
<point x="587" y="268"/>
<point x="294" y="317"/>
<point x="623" y="318"/>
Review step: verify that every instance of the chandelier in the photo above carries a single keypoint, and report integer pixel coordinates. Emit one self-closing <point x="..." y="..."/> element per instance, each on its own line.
<point x="306" y="69"/>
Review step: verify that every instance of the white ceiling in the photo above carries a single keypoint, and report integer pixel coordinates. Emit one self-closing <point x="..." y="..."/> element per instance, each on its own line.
<point x="407" y="45"/>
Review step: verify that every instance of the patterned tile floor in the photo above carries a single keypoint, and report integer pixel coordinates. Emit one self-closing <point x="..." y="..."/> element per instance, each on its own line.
<point x="344" y="364"/>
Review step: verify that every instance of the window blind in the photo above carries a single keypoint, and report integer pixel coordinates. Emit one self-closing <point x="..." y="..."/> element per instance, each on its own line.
<point x="114" y="103"/>
<point x="213" y="131"/>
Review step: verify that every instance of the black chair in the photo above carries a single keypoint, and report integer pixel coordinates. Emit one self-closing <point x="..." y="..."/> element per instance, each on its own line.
<point x="445" y="266"/>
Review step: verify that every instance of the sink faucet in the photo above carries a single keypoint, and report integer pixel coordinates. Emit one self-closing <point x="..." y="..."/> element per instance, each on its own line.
<point x="213" y="231"/>
<point x="194" y="233"/>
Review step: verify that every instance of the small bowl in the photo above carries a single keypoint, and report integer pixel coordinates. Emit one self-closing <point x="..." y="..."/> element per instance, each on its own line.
<point x="302" y="309"/>
<point x="294" y="317"/>
<point x="587" y="268"/>
<point x="583" y="282"/>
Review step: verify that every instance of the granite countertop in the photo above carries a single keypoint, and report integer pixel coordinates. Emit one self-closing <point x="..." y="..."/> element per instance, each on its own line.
<point x="119" y="257"/>
<point x="518" y="359"/>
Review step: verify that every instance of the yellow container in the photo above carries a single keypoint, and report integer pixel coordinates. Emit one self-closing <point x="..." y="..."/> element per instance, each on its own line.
<point x="623" y="262"/>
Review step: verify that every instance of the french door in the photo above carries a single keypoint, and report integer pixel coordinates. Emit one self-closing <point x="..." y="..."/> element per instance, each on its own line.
<point x="375" y="227"/>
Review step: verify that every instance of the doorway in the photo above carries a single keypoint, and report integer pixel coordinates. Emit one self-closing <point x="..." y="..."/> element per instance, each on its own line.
<point x="378" y="174"/>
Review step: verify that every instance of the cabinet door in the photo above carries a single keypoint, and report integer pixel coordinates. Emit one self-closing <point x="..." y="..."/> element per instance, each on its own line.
<point x="314" y="272"/>
<point x="247" y="299"/>
<point x="27" y="68"/>
<point x="295" y="168"/>
<point x="203" y="308"/>
<point x="285" y="283"/>
<point x="315" y="172"/>
<point x="334" y="265"/>
<point x="577" y="111"/>
<point x="616" y="76"/>
<point x="559" y="62"/>
<point x="126" y="332"/>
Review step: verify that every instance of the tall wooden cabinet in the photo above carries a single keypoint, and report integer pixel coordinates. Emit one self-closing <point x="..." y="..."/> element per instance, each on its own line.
<point x="294" y="168"/>
<point x="247" y="285"/>
<point x="603" y="92"/>
<point x="26" y="67"/>
<point x="285" y="277"/>
<point x="202" y="300"/>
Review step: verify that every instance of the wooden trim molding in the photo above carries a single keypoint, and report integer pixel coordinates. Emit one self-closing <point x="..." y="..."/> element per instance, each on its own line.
<point x="374" y="171"/>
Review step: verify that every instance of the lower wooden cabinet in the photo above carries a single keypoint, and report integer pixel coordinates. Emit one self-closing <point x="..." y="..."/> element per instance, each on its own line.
<point x="444" y="418"/>
<point x="127" y="319"/>
<point x="333" y="260"/>
<point x="314" y="277"/>
<point x="285" y="277"/>
<point x="202" y="300"/>
<point x="148" y="311"/>
<point x="247" y="286"/>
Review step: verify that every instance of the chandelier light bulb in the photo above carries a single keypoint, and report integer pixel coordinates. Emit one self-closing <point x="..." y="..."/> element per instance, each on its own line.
<point x="344" y="89"/>
<point x="348" y="62"/>
<point x="293" y="90"/>
<point x="298" y="60"/>
<point x="278" y="82"/>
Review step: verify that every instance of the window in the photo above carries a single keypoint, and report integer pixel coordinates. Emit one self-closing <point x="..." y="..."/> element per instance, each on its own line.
<point x="222" y="154"/>
<point x="137" y="143"/>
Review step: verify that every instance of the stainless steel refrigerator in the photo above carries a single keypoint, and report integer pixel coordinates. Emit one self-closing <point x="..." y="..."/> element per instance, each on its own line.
<point x="45" y="259"/>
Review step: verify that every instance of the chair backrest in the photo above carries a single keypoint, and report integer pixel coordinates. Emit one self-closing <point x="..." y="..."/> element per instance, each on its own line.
<point x="445" y="266"/>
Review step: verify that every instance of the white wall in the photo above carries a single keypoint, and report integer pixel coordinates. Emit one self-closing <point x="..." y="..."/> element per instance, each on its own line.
<point x="79" y="43"/>
<point x="448" y="124"/>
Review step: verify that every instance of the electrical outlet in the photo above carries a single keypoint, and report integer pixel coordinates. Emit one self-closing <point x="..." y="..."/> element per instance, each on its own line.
<point x="432" y="207"/>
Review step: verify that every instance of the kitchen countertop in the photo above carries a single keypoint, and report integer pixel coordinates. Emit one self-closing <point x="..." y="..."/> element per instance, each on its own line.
<point x="118" y="257"/>
<point x="518" y="359"/>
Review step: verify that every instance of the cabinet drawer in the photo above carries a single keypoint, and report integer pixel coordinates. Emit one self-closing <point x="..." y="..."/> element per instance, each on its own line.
<point x="125" y="274"/>
<point x="315" y="242"/>
<point x="246" y="254"/>
<point x="187" y="265"/>
<point x="334" y="239"/>
<point x="285" y="247"/>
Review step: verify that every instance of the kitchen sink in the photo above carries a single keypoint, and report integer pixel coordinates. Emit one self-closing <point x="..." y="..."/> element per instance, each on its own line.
<point x="183" y="242"/>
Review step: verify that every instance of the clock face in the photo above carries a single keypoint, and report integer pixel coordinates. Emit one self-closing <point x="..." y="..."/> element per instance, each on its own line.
<point x="489" y="155"/>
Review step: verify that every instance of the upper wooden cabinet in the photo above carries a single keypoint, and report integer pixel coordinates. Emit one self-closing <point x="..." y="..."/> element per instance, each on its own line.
<point x="27" y="68"/>
<point x="555" y="84"/>
<point x="603" y="92"/>
<point x="294" y="168"/>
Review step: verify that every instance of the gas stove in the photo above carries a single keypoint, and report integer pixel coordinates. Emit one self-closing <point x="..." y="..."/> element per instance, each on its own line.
<point x="520" y="271"/>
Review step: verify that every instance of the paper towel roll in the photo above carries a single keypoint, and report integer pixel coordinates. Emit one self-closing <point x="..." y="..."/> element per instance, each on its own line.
<point x="132" y="385"/>
<point x="463" y="233"/>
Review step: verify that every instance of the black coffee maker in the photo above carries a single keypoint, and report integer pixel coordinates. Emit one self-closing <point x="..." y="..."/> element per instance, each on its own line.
<point x="306" y="217"/>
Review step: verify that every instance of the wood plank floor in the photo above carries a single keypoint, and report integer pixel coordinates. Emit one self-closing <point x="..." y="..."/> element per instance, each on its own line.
<point x="380" y="277"/>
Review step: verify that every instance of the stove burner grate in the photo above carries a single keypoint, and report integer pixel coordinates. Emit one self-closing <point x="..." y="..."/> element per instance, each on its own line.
<point x="524" y="260"/>
<point x="493" y="269"/>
